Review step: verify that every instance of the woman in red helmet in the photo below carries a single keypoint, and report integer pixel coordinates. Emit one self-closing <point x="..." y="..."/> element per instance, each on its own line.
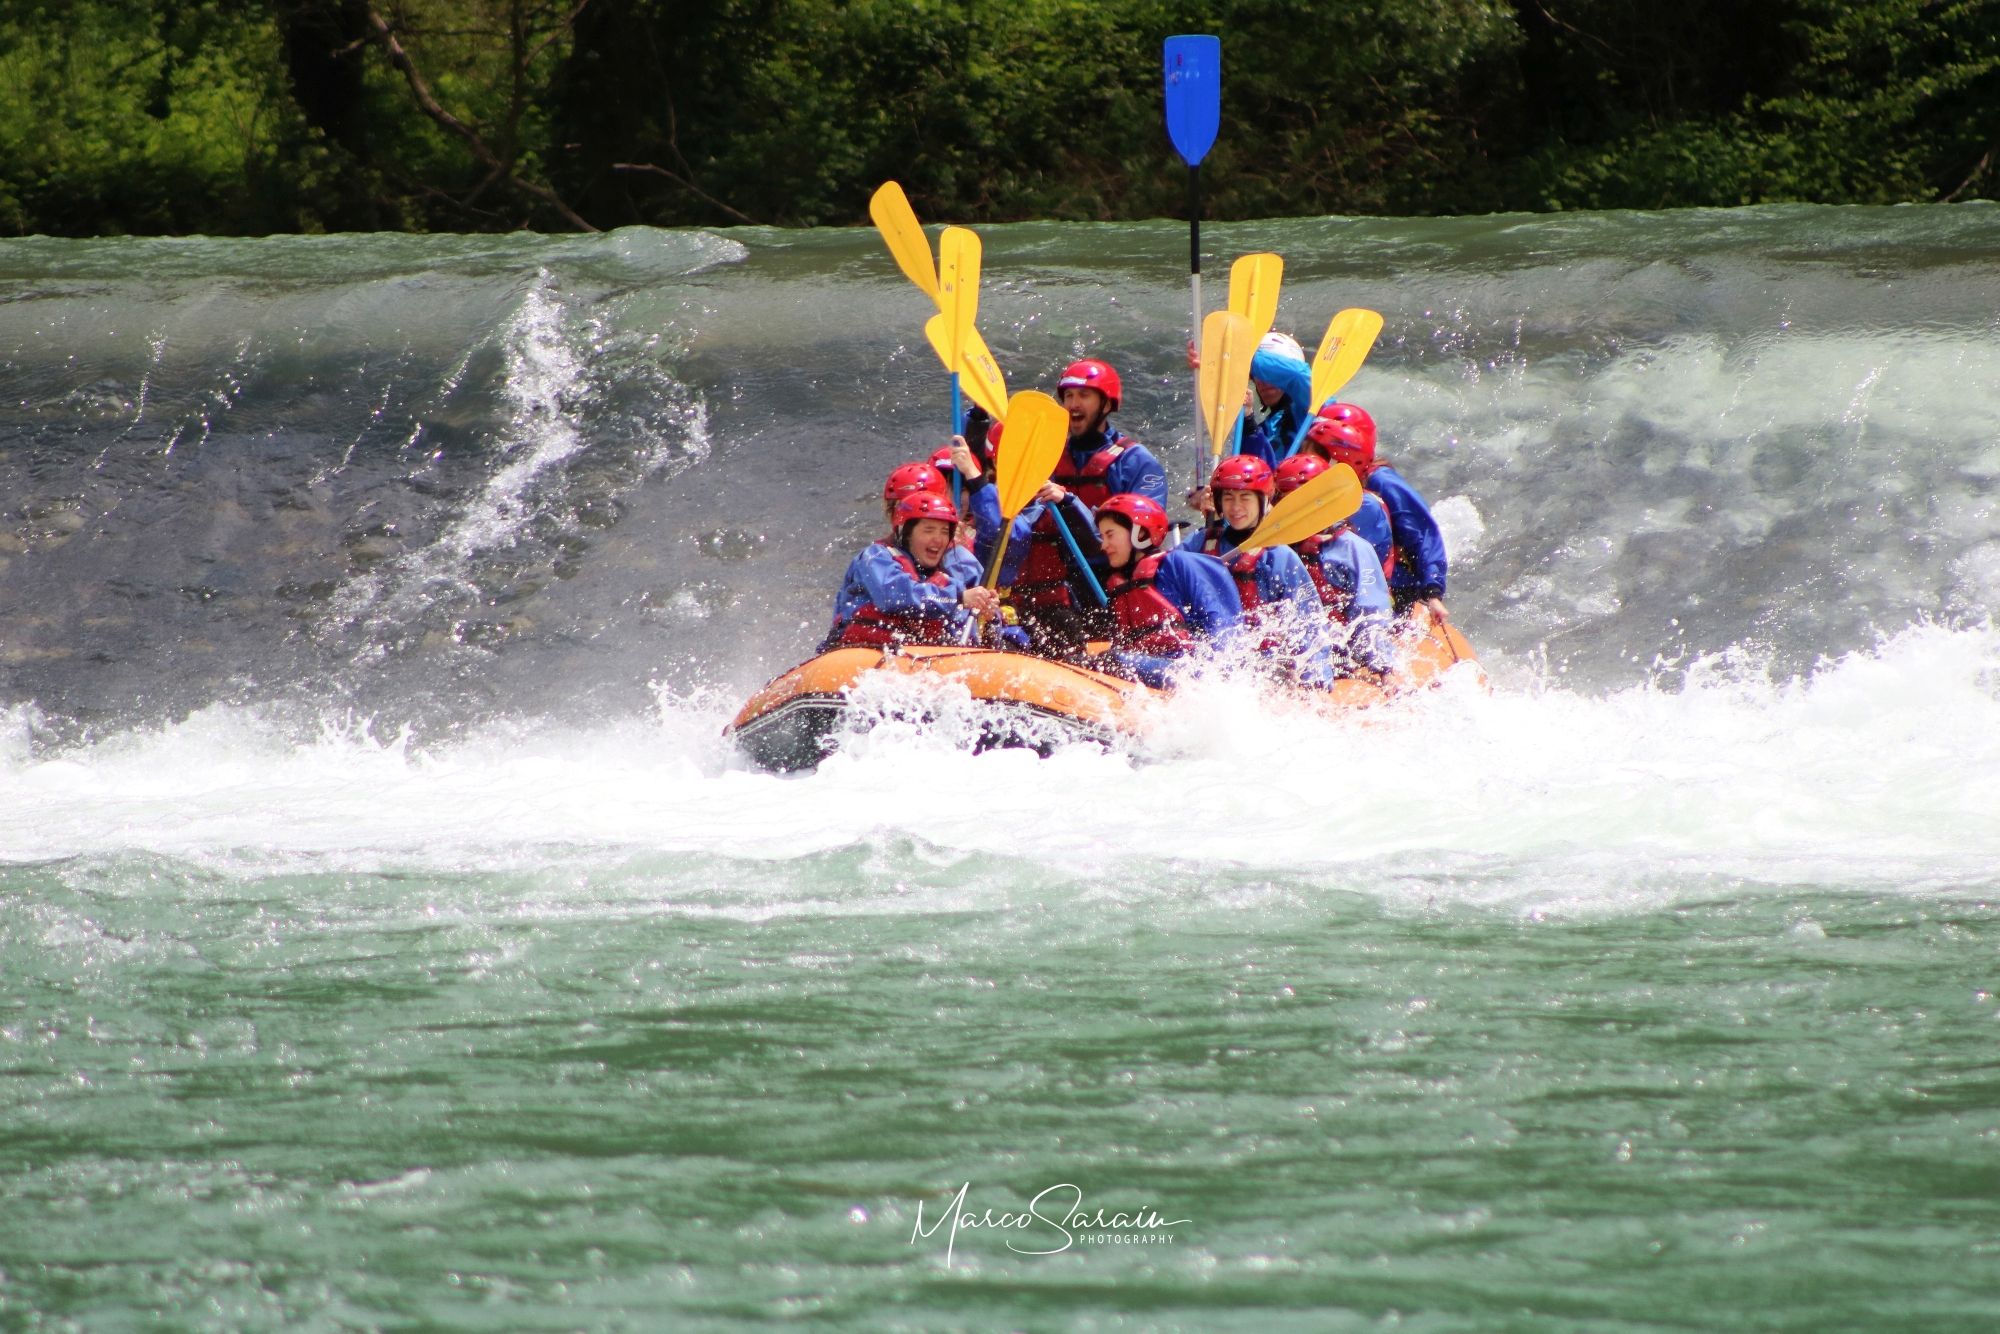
<point x="1415" y="556"/>
<point x="1272" y="583"/>
<point x="1165" y="602"/>
<point x="1098" y="461"/>
<point x="908" y="478"/>
<point x="916" y="587"/>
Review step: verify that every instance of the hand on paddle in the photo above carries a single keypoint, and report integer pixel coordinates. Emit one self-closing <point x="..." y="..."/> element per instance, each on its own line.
<point x="1051" y="494"/>
<point x="963" y="460"/>
<point x="981" y="600"/>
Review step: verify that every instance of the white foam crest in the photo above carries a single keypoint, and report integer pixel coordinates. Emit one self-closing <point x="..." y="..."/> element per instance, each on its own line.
<point x="1881" y="770"/>
<point x="541" y="369"/>
<point x="544" y="375"/>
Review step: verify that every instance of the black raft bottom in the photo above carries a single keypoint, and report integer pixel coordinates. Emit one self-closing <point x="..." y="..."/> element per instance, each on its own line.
<point x="801" y="732"/>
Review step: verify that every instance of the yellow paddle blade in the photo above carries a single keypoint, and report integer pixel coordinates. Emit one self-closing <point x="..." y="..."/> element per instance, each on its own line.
<point x="978" y="373"/>
<point x="1253" y="291"/>
<point x="1349" y="336"/>
<point x="980" y="378"/>
<point x="890" y="208"/>
<point x="958" y="288"/>
<point x="1227" y="344"/>
<point x="1318" y="505"/>
<point x="1037" y="428"/>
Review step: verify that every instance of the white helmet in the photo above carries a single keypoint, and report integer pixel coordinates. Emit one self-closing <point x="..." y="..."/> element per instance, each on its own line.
<point x="1283" y="344"/>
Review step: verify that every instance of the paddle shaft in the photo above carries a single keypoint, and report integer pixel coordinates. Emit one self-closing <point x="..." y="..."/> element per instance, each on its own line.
<point x="1069" y="540"/>
<point x="957" y="426"/>
<point x="1194" y="283"/>
<point x="1076" y="557"/>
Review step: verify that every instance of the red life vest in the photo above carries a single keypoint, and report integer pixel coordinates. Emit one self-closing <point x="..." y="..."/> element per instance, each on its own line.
<point x="1243" y="569"/>
<point x="870" y="625"/>
<point x="1044" y="577"/>
<point x="1331" y="595"/>
<point x="1148" y="621"/>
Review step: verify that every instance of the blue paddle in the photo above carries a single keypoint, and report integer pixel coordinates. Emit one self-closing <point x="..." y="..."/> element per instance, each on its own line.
<point x="1194" y="113"/>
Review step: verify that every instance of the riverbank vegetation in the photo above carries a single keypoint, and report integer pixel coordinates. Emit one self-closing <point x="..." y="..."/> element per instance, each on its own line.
<point x="251" y="116"/>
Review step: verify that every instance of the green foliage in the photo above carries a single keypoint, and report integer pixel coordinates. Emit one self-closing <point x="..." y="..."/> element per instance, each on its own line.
<point x="133" y="117"/>
<point x="1878" y="103"/>
<point x="257" y="115"/>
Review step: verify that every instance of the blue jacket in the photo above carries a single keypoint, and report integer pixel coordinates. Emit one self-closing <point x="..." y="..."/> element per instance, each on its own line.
<point x="1135" y="470"/>
<point x="875" y="578"/>
<point x="1293" y="618"/>
<point x="1421" y="565"/>
<point x="1348" y="562"/>
<point x="1257" y="443"/>
<point x="1201" y="588"/>
<point x="985" y="506"/>
<point x="1372" y="522"/>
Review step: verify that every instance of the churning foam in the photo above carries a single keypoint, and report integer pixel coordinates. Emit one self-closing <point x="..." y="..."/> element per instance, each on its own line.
<point x="1880" y="770"/>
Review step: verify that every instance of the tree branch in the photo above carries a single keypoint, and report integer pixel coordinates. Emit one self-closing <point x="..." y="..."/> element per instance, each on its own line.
<point x="427" y="100"/>
<point x="687" y="185"/>
<point x="1979" y="169"/>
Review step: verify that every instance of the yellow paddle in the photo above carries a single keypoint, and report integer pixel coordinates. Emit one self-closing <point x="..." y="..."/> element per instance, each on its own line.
<point x="897" y="222"/>
<point x="1318" y="505"/>
<point x="1037" y="428"/>
<point x="980" y="376"/>
<point x="958" y="306"/>
<point x="1253" y="291"/>
<point x="1349" y="337"/>
<point x="1227" y="344"/>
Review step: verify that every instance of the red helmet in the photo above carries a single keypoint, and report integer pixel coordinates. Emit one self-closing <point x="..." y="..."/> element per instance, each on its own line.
<point x="1344" y="441"/>
<point x="941" y="458"/>
<point x="1242" y="472"/>
<point x="1357" y="417"/>
<point x="914" y="477"/>
<point x="925" y="505"/>
<point x="1297" y="470"/>
<point x="1143" y="513"/>
<point x="1096" y="375"/>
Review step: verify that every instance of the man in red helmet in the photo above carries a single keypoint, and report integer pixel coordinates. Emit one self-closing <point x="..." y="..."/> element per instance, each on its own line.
<point x="1165" y="603"/>
<point x="917" y="586"/>
<point x="1058" y="604"/>
<point x="1415" y="559"/>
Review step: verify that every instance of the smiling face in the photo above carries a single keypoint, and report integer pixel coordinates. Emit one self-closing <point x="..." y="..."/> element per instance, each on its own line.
<point x="1116" y="538"/>
<point x="1241" y="509"/>
<point x="929" y="539"/>
<point x="1085" y="407"/>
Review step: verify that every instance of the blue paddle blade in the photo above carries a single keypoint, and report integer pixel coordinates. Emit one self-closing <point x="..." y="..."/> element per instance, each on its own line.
<point x="1194" y="94"/>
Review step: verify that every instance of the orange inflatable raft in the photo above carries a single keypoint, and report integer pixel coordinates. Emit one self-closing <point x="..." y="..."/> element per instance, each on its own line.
<point x="795" y="721"/>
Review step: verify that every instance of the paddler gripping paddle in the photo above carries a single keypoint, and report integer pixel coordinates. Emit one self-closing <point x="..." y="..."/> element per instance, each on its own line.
<point x="1349" y="337"/>
<point x="1037" y="429"/>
